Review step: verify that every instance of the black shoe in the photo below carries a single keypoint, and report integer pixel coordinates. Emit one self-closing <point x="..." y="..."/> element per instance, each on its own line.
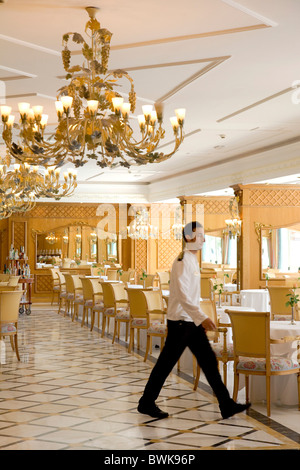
<point x="233" y="408"/>
<point x="152" y="410"/>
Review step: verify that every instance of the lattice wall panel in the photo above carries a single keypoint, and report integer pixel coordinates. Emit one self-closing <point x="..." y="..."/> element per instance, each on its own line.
<point x="140" y="255"/>
<point x="19" y="234"/>
<point x="43" y="283"/>
<point x="280" y="197"/>
<point x="167" y="252"/>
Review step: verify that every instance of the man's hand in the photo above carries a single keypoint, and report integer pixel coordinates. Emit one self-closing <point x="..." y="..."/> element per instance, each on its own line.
<point x="208" y="325"/>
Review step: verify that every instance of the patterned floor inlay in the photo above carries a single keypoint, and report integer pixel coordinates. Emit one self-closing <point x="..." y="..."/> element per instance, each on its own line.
<point x="76" y="390"/>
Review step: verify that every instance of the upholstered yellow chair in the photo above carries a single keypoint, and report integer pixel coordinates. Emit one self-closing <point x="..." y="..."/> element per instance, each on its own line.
<point x="88" y="299"/>
<point x="278" y="299"/>
<point x="164" y="280"/>
<point x="127" y="276"/>
<point x="55" y="285"/>
<point x="219" y="341"/>
<point x="9" y="314"/>
<point x="138" y="315"/>
<point x="74" y="294"/>
<point x="108" y="305"/>
<point x="147" y="281"/>
<point x="252" y="355"/>
<point x="62" y="291"/>
<point x="112" y="274"/>
<point x="121" y="305"/>
<point x="156" y="318"/>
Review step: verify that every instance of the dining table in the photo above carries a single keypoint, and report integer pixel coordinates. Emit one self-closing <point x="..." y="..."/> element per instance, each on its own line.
<point x="284" y="389"/>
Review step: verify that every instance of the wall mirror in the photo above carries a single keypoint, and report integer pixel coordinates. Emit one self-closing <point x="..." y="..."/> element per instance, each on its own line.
<point x="219" y="248"/>
<point x="79" y="242"/>
<point x="279" y="250"/>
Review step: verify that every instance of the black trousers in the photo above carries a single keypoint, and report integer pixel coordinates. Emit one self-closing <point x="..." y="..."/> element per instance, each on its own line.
<point x="183" y="334"/>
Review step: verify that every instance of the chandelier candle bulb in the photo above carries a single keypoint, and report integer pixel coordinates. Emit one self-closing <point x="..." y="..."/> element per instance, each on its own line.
<point x="10" y="121"/>
<point x="142" y="122"/>
<point x="92" y="106"/>
<point x="5" y="113"/>
<point x="153" y="118"/>
<point x="147" y="110"/>
<point x="23" y="110"/>
<point x="44" y="120"/>
<point x="175" y="125"/>
<point x="125" y="108"/>
<point x="67" y="103"/>
<point x="59" y="108"/>
<point x="117" y="102"/>
<point x="180" y="114"/>
<point x="37" y="111"/>
<point x="30" y="115"/>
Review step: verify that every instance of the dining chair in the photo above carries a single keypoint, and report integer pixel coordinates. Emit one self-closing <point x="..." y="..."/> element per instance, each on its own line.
<point x="88" y="298"/>
<point x="252" y="352"/>
<point x="62" y="291"/>
<point x="121" y="306"/>
<point x="148" y="281"/>
<point x="278" y="299"/>
<point x="74" y="294"/>
<point x="112" y="274"/>
<point x="138" y="315"/>
<point x="98" y="305"/>
<point x="163" y="280"/>
<point x="156" y="318"/>
<point x="127" y="276"/>
<point x="55" y="285"/>
<point x="9" y="314"/>
<point x="108" y="305"/>
<point x="218" y="340"/>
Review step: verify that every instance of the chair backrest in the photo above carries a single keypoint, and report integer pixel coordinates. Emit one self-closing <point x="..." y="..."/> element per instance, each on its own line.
<point x="126" y="276"/>
<point x="69" y="283"/>
<point x="9" y="306"/>
<point x="164" y="279"/>
<point x="13" y="281"/>
<point x="97" y="286"/>
<point x="278" y="299"/>
<point x="154" y="303"/>
<point x="205" y="288"/>
<point x="108" y="295"/>
<point x="87" y="288"/>
<point x="251" y="333"/>
<point x="119" y="292"/>
<point x="61" y="277"/>
<point x="76" y="281"/>
<point x="208" y="307"/>
<point x="112" y="274"/>
<point x="148" y="281"/>
<point x="54" y="274"/>
<point x="137" y="303"/>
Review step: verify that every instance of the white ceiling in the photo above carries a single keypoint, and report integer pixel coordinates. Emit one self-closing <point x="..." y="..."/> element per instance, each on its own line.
<point x="231" y="64"/>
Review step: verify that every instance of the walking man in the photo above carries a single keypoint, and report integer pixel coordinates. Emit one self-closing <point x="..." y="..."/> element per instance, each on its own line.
<point x="187" y="326"/>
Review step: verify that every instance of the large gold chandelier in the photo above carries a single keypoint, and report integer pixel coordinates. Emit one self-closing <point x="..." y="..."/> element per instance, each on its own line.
<point x="93" y="119"/>
<point x="22" y="186"/>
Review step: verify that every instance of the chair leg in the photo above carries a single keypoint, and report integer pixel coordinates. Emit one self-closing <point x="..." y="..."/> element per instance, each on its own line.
<point x="225" y="373"/>
<point x="115" y="331"/>
<point x="131" y="338"/>
<point x="197" y="378"/>
<point x="16" y="347"/>
<point x="103" y="325"/>
<point x="268" y="386"/>
<point x="83" y="316"/>
<point x="147" y="347"/>
<point x="93" y="319"/>
<point x="235" y="386"/>
<point x="12" y="343"/>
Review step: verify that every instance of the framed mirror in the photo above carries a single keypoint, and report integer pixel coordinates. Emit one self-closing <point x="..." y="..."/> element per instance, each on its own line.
<point x="219" y="248"/>
<point x="279" y="250"/>
<point x="78" y="243"/>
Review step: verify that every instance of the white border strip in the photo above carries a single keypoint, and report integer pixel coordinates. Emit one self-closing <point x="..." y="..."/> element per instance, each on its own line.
<point x="246" y="10"/>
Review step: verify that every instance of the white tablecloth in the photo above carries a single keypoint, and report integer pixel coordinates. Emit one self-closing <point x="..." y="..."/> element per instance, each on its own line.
<point x="284" y="389"/>
<point x="256" y="298"/>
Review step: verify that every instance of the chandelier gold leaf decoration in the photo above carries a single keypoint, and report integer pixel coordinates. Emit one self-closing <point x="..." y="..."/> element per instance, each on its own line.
<point x="93" y="119"/>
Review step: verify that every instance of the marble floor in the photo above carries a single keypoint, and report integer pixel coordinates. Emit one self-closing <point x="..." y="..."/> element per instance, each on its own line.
<point x="73" y="390"/>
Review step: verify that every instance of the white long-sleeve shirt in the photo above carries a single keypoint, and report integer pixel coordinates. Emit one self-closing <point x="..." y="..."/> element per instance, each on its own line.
<point x="184" y="298"/>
